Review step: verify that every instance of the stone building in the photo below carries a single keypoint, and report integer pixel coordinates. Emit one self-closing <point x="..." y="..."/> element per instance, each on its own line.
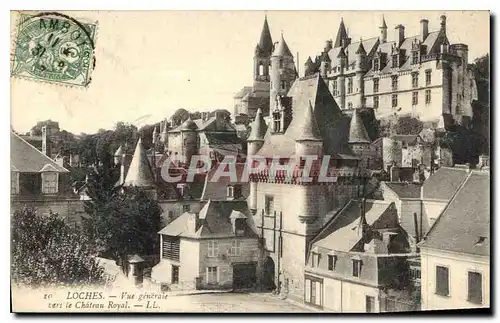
<point x="38" y="181"/>
<point x="289" y="213"/>
<point x="273" y="74"/>
<point x="455" y="253"/>
<point x="358" y="262"/>
<point x="424" y="75"/>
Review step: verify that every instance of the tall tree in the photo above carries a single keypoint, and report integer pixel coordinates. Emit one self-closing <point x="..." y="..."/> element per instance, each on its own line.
<point x="46" y="251"/>
<point x="179" y="117"/>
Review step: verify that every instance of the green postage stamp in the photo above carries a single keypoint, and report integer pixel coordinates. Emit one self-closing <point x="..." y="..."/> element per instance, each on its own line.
<point x="55" y="48"/>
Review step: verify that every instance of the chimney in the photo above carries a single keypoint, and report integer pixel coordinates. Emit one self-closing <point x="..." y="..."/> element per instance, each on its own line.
<point x="424" y="29"/>
<point x="46" y="146"/>
<point x="417" y="235"/>
<point x="443" y="24"/>
<point x="400" y="34"/>
<point x="219" y="120"/>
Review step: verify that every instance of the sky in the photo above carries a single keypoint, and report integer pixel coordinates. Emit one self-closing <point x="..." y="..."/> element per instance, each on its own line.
<point x="151" y="63"/>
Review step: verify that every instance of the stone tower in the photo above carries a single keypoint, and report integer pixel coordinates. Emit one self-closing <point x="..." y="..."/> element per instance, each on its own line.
<point x="359" y="141"/>
<point x="262" y="57"/>
<point x="283" y="72"/>
<point x="383" y="32"/>
<point x="360" y="71"/>
<point x="189" y="139"/>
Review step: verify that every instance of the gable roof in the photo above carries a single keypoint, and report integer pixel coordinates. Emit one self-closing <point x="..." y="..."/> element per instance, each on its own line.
<point x="342" y="232"/>
<point x="466" y="219"/>
<point x="215" y="218"/>
<point x="405" y="190"/>
<point x="443" y="183"/>
<point x="25" y="158"/>
<point x="306" y="92"/>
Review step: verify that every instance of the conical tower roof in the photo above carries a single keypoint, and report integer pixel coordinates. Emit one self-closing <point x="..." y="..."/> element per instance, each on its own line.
<point x="341" y="34"/>
<point x="188" y="125"/>
<point x="139" y="172"/>
<point x="282" y="49"/>
<point x="266" y="41"/>
<point x="308" y="128"/>
<point x="259" y="128"/>
<point x="361" y="49"/>
<point x="384" y="25"/>
<point x="357" y="131"/>
<point x="341" y="53"/>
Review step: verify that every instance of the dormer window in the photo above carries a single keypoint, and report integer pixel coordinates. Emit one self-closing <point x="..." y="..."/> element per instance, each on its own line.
<point x="230" y="192"/>
<point x="414" y="57"/>
<point x="394" y="61"/>
<point x="49" y="182"/>
<point x="277" y="121"/>
<point x="376" y="64"/>
<point x="14" y="183"/>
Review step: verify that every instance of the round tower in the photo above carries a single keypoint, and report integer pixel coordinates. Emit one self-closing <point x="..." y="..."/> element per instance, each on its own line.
<point x="283" y="72"/>
<point x="359" y="141"/>
<point x="189" y="137"/>
<point x="360" y="70"/>
<point x="309" y="141"/>
<point x="383" y="31"/>
<point x="256" y="138"/>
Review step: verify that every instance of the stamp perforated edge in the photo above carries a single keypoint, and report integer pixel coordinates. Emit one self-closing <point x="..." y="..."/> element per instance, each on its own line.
<point x="14" y="33"/>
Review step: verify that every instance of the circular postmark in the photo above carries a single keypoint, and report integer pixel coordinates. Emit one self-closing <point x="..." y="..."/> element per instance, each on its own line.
<point x="54" y="47"/>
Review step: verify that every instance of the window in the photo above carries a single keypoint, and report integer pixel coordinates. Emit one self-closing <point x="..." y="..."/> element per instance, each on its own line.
<point x="376" y="64"/>
<point x="269" y="205"/>
<point x="315" y="259"/>
<point x="414" y="98"/>
<point x="428" y="77"/>
<point x="334" y="87"/>
<point x="394" y="61"/>
<point x="14" y="183"/>
<point x="394" y="100"/>
<point x="175" y="274"/>
<point x="356" y="267"/>
<point x="442" y="281"/>
<point x="261" y="69"/>
<point x="186" y="208"/>
<point x="230" y="191"/>
<point x="427" y="96"/>
<point x="170" y="248"/>
<point x="211" y="275"/>
<point x="375" y="102"/>
<point x="475" y="287"/>
<point x="349" y="105"/>
<point x="349" y="85"/>
<point x="281" y="62"/>
<point x="332" y="262"/>
<point x="394" y="82"/>
<point x="213" y="248"/>
<point x="49" y="183"/>
<point x="414" y="57"/>
<point x="236" y="248"/>
<point x="370" y="304"/>
<point x="375" y="85"/>
<point x="313" y="291"/>
<point x="283" y="85"/>
<point x="414" y="79"/>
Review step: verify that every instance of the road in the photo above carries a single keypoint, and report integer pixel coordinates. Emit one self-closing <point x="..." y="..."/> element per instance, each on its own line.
<point x="232" y="302"/>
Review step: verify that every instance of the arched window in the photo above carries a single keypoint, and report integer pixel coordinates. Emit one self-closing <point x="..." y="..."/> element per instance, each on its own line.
<point x="283" y="85"/>
<point x="261" y="69"/>
<point x="349" y="105"/>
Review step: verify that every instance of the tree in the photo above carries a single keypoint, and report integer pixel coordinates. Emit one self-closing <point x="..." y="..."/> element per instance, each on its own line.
<point x="179" y="117"/>
<point x="46" y="252"/>
<point x="408" y="126"/>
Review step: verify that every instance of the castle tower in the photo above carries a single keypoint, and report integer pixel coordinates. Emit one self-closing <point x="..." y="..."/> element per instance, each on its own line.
<point x="262" y="57"/>
<point x="359" y="141"/>
<point x="341" y="63"/>
<point x="140" y="173"/>
<point x="283" y="72"/>
<point x="342" y="37"/>
<point x="360" y="71"/>
<point x="189" y="139"/>
<point x="257" y="132"/>
<point x="383" y="32"/>
<point x="309" y="141"/>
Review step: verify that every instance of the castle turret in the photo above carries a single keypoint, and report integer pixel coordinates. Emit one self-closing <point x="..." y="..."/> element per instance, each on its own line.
<point x="309" y="141"/>
<point x="283" y="72"/>
<point x="360" y="70"/>
<point x="309" y="67"/>
<point x="341" y="63"/>
<point x="341" y="38"/>
<point x="189" y="139"/>
<point x="383" y="31"/>
<point x="325" y="65"/>
<point x="256" y="138"/>
<point x="359" y="141"/>
<point x="139" y="173"/>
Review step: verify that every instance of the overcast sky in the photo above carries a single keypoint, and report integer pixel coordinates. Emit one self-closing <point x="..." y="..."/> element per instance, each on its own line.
<point x="152" y="63"/>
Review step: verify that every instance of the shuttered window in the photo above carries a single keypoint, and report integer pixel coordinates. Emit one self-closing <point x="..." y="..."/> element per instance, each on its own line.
<point x="475" y="287"/>
<point x="442" y="281"/>
<point x="171" y="248"/>
<point x="370" y="304"/>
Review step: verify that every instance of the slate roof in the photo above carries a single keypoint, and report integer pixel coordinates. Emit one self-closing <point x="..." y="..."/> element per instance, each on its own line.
<point x="357" y="130"/>
<point x="282" y="48"/>
<point x="341" y="34"/>
<point x="465" y="219"/>
<point x="341" y="233"/>
<point x="443" y="183"/>
<point x="25" y="158"/>
<point x="215" y="219"/>
<point x="139" y="172"/>
<point x="258" y="127"/>
<point x="226" y="143"/>
<point x="332" y="124"/>
<point x="216" y="188"/>
<point x="405" y="190"/>
<point x="266" y="42"/>
<point x="368" y="44"/>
